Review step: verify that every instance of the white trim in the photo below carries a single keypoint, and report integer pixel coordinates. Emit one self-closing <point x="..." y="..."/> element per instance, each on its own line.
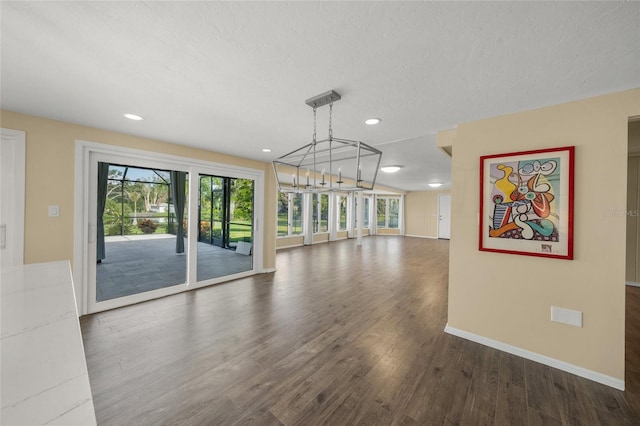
<point x="17" y="138"/>
<point x="86" y="154"/>
<point x="542" y="359"/>
<point x="632" y="284"/>
<point x="269" y="270"/>
<point x="421" y="236"/>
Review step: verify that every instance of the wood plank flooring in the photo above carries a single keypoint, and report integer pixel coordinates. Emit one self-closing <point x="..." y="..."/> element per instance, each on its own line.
<point x="339" y="335"/>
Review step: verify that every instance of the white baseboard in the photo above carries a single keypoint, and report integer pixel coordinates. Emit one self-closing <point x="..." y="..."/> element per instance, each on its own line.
<point x="268" y="270"/>
<point x="421" y="236"/>
<point x="542" y="359"/>
<point x="632" y="283"/>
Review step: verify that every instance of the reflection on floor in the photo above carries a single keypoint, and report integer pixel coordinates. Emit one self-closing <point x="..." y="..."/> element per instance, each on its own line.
<point x="140" y="263"/>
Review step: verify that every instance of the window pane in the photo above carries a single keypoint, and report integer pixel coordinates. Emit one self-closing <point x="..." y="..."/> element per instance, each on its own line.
<point x="283" y="214"/>
<point x="241" y="211"/>
<point x="381" y="212"/>
<point x="393" y="212"/>
<point x="366" y="212"/>
<point x="226" y="226"/>
<point x="343" y="213"/>
<point x="316" y="220"/>
<point x="296" y="226"/>
<point x="139" y="205"/>
<point x="320" y="212"/>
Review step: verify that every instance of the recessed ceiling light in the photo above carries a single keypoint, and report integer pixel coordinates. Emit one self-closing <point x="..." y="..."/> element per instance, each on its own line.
<point x="266" y="150"/>
<point x="372" y="121"/>
<point x="133" y="117"/>
<point x="435" y="184"/>
<point x="390" y="169"/>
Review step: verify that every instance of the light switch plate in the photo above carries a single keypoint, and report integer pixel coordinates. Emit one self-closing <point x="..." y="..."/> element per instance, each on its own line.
<point x="54" y="211"/>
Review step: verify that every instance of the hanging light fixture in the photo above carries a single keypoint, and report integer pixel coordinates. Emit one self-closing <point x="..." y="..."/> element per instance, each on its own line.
<point x="331" y="164"/>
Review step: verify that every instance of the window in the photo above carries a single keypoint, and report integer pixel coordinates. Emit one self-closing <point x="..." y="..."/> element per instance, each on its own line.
<point x="387" y="212"/>
<point x="382" y="212"/>
<point x="342" y="213"/>
<point x="320" y="212"/>
<point x="283" y="214"/>
<point x="392" y="214"/>
<point x="365" y="202"/>
<point x="289" y="214"/>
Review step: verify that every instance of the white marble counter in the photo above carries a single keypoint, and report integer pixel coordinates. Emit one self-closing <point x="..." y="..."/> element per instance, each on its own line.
<point x="43" y="377"/>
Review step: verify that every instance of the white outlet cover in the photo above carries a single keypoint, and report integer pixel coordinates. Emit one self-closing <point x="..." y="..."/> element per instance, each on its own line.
<point x="54" y="211"/>
<point x="566" y="316"/>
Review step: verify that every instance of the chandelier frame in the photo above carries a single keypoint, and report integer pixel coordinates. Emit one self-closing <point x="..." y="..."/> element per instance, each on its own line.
<point x="360" y="160"/>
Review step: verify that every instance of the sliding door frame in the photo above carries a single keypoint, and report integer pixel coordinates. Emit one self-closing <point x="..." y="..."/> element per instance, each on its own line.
<point x="87" y="155"/>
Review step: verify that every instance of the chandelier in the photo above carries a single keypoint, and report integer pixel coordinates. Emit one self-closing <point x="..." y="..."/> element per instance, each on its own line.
<point x="331" y="164"/>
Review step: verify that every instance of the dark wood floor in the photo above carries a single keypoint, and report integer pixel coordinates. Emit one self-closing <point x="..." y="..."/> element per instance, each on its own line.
<point x="339" y="335"/>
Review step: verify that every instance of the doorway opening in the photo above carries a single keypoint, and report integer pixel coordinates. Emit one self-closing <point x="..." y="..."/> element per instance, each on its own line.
<point x="632" y="278"/>
<point x="141" y="231"/>
<point x="444" y="216"/>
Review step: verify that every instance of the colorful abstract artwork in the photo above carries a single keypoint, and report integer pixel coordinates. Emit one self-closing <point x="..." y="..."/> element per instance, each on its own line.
<point x="526" y="203"/>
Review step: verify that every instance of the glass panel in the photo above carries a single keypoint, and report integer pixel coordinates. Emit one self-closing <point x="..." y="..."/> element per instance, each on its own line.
<point x="140" y="235"/>
<point x="324" y="213"/>
<point x="217" y="211"/>
<point x="393" y="212"/>
<point x="296" y="216"/>
<point x="225" y="239"/>
<point x="366" y="212"/>
<point x="314" y="203"/>
<point x="320" y="212"/>
<point x="343" y="213"/>
<point x="241" y="212"/>
<point x="206" y="211"/>
<point x="283" y="214"/>
<point x="381" y="214"/>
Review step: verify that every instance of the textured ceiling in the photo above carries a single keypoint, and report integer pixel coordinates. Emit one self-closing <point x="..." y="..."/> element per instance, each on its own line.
<point x="232" y="77"/>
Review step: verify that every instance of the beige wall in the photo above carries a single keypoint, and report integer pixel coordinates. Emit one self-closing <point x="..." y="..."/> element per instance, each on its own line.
<point x="633" y="207"/>
<point x="387" y="231"/>
<point x="508" y="297"/>
<point x="50" y="180"/>
<point x="283" y="242"/>
<point x="320" y="238"/>
<point x="633" y="204"/>
<point x="421" y="213"/>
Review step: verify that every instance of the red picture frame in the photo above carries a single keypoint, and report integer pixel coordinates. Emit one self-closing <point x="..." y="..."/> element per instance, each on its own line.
<point x="526" y="203"/>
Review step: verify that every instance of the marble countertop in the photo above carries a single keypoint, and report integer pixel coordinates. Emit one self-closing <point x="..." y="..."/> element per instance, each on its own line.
<point x="44" y="377"/>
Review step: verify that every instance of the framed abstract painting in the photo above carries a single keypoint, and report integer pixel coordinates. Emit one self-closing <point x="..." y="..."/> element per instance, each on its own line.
<point x="526" y="203"/>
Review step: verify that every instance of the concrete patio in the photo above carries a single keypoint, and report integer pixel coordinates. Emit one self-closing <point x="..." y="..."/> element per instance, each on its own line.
<point x="139" y="263"/>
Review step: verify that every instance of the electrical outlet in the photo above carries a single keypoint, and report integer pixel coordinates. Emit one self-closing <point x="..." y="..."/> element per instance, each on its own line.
<point x="566" y="316"/>
<point x="54" y="211"/>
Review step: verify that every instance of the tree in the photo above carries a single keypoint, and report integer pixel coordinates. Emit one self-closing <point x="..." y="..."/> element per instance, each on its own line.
<point x="242" y="199"/>
<point x="134" y="196"/>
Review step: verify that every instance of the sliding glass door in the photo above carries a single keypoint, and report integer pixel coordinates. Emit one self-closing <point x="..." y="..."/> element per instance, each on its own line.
<point x="225" y="240"/>
<point x="140" y="228"/>
<point x="157" y="226"/>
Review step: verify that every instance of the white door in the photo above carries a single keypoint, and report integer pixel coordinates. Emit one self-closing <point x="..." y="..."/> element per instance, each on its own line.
<point x="444" y="216"/>
<point x="12" y="164"/>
